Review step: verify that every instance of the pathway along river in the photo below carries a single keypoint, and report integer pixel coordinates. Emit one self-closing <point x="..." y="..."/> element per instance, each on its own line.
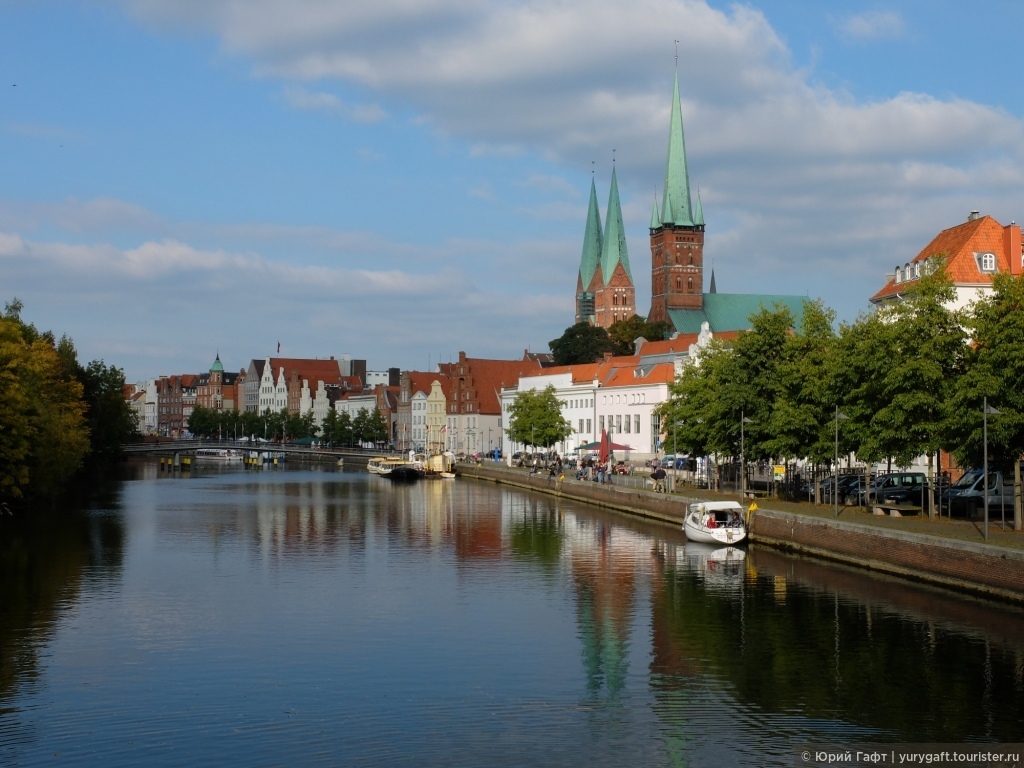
<point x="308" y="617"/>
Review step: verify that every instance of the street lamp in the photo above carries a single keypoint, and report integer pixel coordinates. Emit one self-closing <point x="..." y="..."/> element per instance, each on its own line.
<point x="835" y="488"/>
<point x="743" y="465"/>
<point x="985" y="411"/>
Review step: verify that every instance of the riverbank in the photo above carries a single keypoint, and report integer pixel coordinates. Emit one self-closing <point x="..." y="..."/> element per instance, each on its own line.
<point x="951" y="553"/>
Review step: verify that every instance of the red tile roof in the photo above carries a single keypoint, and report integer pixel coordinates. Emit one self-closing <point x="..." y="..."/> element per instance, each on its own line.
<point x="958" y="246"/>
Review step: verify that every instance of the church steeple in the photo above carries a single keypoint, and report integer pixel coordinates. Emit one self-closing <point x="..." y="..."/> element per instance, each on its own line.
<point x="614" y="251"/>
<point x="592" y="241"/>
<point x="677" y="235"/>
<point x="676" y="200"/>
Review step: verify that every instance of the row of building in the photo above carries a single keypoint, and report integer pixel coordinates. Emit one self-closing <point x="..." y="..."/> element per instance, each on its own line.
<point x="462" y="406"/>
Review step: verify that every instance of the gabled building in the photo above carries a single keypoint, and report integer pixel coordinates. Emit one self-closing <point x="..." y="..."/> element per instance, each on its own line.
<point x="972" y="253"/>
<point x="473" y="422"/>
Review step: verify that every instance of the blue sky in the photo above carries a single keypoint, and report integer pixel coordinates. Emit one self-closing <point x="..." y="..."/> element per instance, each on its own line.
<point x="403" y="180"/>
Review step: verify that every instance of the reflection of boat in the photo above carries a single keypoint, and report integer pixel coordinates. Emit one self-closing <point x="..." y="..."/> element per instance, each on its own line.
<point x="407" y="472"/>
<point x="440" y="465"/>
<point x="219" y="454"/>
<point x="715" y="522"/>
<point x="714" y="559"/>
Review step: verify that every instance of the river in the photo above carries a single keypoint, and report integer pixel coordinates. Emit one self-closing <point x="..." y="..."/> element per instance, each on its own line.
<point x="311" y="617"/>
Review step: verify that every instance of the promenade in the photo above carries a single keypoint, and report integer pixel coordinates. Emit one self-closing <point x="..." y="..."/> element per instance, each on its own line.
<point x="953" y="553"/>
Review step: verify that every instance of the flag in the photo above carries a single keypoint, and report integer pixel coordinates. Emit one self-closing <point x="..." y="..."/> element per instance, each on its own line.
<point x="279" y="347"/>
<point x="443" y="429"/>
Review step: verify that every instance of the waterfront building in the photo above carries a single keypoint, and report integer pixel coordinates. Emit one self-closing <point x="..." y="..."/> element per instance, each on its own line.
<point x="474" y="416"/>
<point x="971" y="252"/>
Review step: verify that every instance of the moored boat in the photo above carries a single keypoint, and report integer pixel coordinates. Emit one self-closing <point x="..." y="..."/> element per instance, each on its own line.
<point x="219" y="454"/>
<point x="715" y="522"/>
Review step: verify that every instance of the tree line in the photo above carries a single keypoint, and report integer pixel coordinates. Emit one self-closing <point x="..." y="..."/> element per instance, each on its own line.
<point x="339" y="429"/>
<point x="906" y="380"/>
<point x="56" y="415"/>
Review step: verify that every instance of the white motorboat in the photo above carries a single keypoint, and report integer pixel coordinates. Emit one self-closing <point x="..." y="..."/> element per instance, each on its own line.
<point x="715" y="522"/>
<point x="219" y="454"/>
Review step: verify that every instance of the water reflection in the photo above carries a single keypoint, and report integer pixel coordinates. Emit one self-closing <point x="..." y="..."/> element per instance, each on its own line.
<point x="463" y="622"/>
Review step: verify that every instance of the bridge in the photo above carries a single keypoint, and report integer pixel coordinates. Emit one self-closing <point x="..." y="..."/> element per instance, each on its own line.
<point x="171" y="447"/>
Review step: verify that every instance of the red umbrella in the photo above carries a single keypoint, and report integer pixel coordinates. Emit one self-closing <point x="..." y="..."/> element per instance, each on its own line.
<point x="605" y="449"/>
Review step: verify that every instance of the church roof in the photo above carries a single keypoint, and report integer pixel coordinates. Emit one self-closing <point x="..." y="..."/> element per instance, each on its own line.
<point x="592" y="241"/>
<point x="217" y="366"/>
<point x="732" y="311"/>
<point x="676" y="204"/>
<point x="614" y="250"/>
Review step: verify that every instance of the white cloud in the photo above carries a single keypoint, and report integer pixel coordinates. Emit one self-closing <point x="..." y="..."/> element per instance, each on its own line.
<point x="874" y="25"/>
<point x="299" y="98"/>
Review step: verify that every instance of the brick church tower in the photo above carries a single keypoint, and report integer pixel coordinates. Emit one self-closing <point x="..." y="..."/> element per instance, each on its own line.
<point x="677" y="232"/>
<point x="605" y="292"/>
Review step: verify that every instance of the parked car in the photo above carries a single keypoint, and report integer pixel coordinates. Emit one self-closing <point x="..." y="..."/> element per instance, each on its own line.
<point x="967" y="495"/>
<point x="895" y="488"/>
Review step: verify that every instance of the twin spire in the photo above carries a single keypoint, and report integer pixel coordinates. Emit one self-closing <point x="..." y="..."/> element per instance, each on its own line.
<point x="607" y="248"/>
<point x="678" y="208"/>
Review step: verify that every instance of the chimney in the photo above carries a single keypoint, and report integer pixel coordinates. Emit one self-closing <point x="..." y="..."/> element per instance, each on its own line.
<point x="974" y="216"/>
<point x="1012" y="248"/>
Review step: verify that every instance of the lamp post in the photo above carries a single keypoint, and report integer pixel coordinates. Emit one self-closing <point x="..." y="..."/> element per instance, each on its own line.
<point x="743" y="464"/>
<point x="835" y="488"/>
<point x="985" y="411"/>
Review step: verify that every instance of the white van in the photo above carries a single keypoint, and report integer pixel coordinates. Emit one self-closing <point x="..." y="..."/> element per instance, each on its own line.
<point x="967" y="495"/>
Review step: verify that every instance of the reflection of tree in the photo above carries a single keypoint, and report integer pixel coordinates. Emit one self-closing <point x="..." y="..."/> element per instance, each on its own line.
<point x="538" y="536"/>
<point x="833" y="659"/>
<point x="45" y="557"/>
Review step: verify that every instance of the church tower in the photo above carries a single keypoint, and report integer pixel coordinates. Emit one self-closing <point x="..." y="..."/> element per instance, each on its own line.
<point x="590" y="280"/>
<point x="677" y="232"/>
<point x="605" y="292"/>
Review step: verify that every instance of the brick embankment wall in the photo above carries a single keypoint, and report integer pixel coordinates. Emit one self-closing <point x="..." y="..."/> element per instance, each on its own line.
<point x="964" y="565"/>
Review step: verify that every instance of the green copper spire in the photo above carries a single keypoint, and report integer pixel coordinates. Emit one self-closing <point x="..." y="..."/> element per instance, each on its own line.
<point x="698" y="211"/>
<point x="676" y="200"/>
<point x="592" y="241"/>
<point x="655" y="216"/>
<point x="614" y="251"/>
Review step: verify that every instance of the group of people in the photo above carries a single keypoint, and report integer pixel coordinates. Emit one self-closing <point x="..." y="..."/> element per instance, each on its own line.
<point x="595" y="470"/>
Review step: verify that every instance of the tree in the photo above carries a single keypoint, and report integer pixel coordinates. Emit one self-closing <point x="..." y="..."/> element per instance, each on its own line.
<point x="376" y="429"/>
<point x="329" y="429"/>
<point x="112" y="421"/>
<point x="581" y="343"/>
<point x="624" y="333"/>
<point x="535" y="418"/>
<point x="44" y="437"/>
<point x="994" y="371"/>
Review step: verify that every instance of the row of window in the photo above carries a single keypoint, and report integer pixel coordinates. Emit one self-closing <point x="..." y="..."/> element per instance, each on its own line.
<point x="617" y="423"/>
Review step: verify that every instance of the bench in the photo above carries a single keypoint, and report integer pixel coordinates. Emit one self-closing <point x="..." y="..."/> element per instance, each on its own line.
<point x="897" y="510"/>
<point x="751" y="494"/>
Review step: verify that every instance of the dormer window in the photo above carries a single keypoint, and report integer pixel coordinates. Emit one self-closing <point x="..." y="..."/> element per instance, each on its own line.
<point x="986" y="261"/>
<point x="899" y="276"/>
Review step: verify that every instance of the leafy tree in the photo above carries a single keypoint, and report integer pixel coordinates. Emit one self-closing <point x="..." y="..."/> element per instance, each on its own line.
<point x="112" y="421"/>
<point x="329" y="429"/>
<point x="581" y="343"/>
<point x="624" y="333"/>
<point x="376" y="429"/>
<point x="535" y="418"/>
<point x="994" y="370"/>
<point x="359" y="429"/>
<point x="44" y="436"/>
<point x="345" y="429"/>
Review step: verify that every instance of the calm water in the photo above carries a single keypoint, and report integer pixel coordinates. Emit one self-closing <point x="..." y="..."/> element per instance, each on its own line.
<point x="303" y="617"/>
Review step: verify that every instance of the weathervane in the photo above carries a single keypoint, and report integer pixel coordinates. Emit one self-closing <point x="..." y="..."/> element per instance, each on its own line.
<point x="677" y="54"/>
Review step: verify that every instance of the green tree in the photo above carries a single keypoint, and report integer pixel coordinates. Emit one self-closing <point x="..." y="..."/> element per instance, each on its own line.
<point x="376" y="428"/>
<point x="994" y="371"/>
<point x="112" y="421"/>
<point x="44" y="437"/>
<point x="535" y="418"/>
<point x="329" y="429"/>
<point x="581" y="343"/>
<point x="345" y="429"/>
<point x="624" y="333"/>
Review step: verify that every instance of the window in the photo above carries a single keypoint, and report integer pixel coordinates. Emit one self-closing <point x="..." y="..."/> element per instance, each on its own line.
<point x="689" y="285"/>
<point x="600" y="422"/>
<point x="636" y="423"/>
<point x="679" y="283"/>
<point x="899" y="276"/>
<point x="618" y="423"/>
<point x="627" y="425"/>
<point x="581" y="426"/>
<point x="588" y="426"/>
<point x="987" y="262"/>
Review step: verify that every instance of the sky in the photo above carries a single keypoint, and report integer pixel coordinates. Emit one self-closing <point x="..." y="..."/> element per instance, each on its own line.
<point x="403" y="180"/>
